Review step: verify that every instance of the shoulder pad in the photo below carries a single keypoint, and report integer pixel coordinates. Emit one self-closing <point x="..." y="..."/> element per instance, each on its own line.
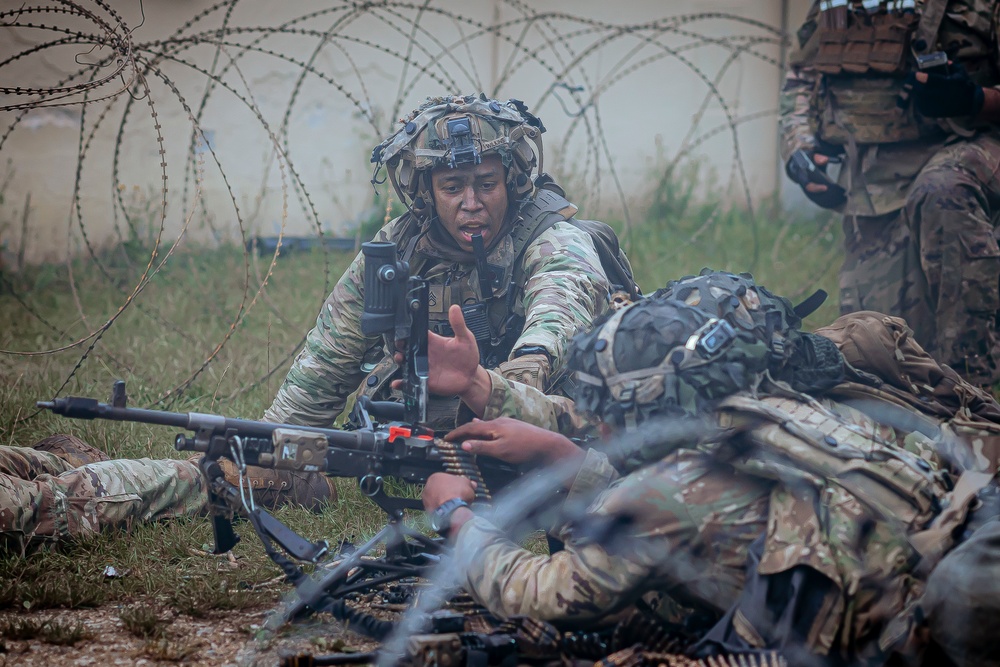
<point x="543" y="210"/>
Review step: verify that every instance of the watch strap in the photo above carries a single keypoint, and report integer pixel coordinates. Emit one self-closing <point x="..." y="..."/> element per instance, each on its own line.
<point x="532" y="349"/>
<point x="440" y="519"/>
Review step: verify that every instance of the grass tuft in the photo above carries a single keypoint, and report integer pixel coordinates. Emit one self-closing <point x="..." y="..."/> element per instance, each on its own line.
<point x="166" y="649"/>
<point x="20" y="628"/>
<point x="52" y="631"/>
<point x="142" y="621"/>
<point x="63" y="633"/>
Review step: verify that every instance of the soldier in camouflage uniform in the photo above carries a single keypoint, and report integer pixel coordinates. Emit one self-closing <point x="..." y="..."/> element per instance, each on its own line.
<point x="803" y="524"/>
<point x="920" y="154"/>
<point x="463" y="166"/>
<point x="64" y="489"/>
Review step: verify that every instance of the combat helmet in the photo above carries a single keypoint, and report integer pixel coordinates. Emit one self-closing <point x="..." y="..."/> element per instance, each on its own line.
<point x="807" y="362"/>
<point x="738" y="299"/>
<point x="661" y="357"/>
<point x="455" y="131"/>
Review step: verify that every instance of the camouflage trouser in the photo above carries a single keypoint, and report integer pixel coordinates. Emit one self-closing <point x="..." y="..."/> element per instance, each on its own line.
<point x="43" y="498"/>
<point x="936" y="262"/>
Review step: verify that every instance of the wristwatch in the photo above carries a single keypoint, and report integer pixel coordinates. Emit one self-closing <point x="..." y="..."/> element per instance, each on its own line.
<point x="440" y="519"/>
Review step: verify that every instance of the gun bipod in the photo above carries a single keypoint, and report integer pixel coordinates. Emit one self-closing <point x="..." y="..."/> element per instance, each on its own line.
<point x="407" y="554"/>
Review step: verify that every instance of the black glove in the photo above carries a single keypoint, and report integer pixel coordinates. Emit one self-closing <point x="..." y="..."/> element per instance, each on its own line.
<point x="803" y="170"/>
<point x="951" y="95"/>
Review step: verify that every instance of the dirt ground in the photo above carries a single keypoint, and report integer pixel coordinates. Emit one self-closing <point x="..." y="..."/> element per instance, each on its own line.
<point x="224" y="638"/>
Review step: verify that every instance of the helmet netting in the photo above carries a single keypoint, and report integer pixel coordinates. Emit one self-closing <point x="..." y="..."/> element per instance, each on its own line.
<point x="661" y="357"/>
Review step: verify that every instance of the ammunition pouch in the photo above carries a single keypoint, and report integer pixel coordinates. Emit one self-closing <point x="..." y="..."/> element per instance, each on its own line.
<point x="865" y="57"/>
<point x="868" y="43"/>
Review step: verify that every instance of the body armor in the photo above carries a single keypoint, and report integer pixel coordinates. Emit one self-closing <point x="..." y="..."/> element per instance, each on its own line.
<point x="864" y="50"/>
<point x="851" y="507"/>
<point x="497" y="322"/>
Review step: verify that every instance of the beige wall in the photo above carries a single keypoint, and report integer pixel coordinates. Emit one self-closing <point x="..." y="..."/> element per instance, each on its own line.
<point x="644" y="72"/>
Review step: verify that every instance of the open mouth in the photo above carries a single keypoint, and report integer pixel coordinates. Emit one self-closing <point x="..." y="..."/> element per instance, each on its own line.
<point x="468" y="231"/>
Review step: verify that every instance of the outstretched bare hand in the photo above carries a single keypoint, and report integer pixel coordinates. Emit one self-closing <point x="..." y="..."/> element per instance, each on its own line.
<point x="453" y="364"/>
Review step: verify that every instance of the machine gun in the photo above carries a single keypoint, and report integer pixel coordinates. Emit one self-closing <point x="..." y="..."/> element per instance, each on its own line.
<point x="402" y="447"/>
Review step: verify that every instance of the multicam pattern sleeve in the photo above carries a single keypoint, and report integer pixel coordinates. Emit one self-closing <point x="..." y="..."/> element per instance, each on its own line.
<point x="521" y="401"/>
<point x="328" y="368"/>
<point x="566" y="289"/>
<point x="43" y="499"/>
<point x="797" y="130"/>
<point x="598" y="579"/>
<point x="578" y="584"/>
<point x="693" y="523"/>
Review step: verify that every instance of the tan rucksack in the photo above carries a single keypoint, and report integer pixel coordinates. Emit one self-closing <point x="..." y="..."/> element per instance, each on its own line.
<point x="906" y="376"/>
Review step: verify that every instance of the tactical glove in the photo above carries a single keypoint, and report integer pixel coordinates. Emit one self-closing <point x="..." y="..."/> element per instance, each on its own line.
<point x="951" y="95"/>
<point x="802" y="169"/>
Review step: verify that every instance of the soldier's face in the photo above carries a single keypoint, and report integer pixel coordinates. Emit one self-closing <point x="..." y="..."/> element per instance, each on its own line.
<point x="471" y="199"/>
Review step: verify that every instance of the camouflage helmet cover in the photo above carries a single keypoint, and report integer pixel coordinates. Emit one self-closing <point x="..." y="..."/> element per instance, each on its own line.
<point x="661" y="357"/>
<point x="454" y="130"/>
<point x="744" y="304"/>
<point x="806" y="361"/>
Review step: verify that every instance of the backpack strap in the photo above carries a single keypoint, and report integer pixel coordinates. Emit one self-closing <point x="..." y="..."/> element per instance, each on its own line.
<point x="549" y="207"/>
<point x="538" y="215"/>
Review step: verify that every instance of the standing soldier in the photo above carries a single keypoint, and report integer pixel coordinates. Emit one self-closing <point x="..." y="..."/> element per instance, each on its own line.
<point x="901" y="92"/>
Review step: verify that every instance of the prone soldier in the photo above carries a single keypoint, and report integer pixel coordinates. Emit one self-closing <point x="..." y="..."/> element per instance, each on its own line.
<point x="780" y="514"/>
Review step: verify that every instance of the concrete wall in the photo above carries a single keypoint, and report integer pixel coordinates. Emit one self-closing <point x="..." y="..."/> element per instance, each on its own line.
<point x="624" y="88"/>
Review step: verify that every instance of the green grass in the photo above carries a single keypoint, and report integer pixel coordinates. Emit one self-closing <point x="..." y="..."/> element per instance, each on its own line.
<point x="198" y="307"/>
<point x="60" y="633"/>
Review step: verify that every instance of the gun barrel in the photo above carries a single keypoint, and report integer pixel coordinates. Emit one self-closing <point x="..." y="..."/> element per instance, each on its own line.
<point x="77" y="407"/>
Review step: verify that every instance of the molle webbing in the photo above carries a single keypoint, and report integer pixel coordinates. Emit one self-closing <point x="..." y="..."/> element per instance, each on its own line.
<point x="863" y="55"/>
<point x="855" y="39"/>
<point x="814" y="445"/>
